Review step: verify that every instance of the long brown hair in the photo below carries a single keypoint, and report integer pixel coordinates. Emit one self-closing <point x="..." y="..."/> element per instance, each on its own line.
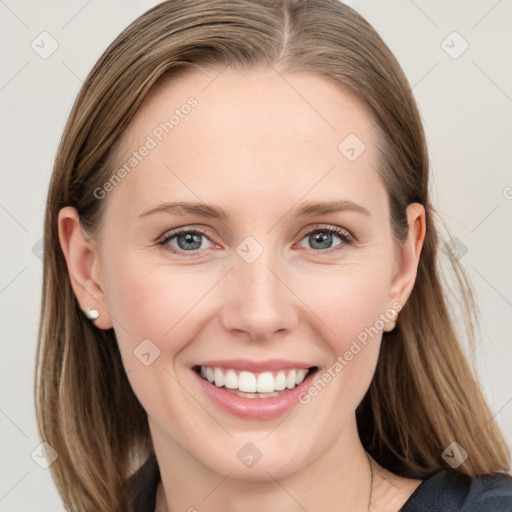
<point x="424" y="395"/>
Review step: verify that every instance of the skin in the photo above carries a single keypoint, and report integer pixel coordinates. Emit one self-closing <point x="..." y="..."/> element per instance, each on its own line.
<point x="257" y="147"/>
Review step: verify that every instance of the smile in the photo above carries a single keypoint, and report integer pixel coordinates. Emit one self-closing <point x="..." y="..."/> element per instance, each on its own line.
<point x="235" y="389"/>
<point x="248" y="382"/>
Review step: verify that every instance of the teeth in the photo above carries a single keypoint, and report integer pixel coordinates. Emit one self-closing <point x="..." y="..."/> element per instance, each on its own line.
<point x="255" y="395"/>
<point x="250" y="384"/>
<point x="247" y="382"/>
<point x="265" y="383"/>
<point x="231" y="380"/>
<point x="219" y="377"/>
<point x="290" y="379"/>
<point x="280" y="381"/>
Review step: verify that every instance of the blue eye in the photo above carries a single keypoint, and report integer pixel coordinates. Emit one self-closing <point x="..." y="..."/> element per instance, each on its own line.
<point x="188" y="240"/>
<point x="191" y="240"/>
<point x="323" y="237"/>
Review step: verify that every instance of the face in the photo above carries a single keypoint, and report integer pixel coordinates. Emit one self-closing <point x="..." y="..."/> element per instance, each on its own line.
<point x="262" y="285"/>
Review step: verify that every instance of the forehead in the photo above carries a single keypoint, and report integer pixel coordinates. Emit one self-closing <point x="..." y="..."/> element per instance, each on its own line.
<point x="257" y="134"/>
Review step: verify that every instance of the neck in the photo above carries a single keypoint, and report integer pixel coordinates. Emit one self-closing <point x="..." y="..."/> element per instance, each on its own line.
<point x="339" y="479"/>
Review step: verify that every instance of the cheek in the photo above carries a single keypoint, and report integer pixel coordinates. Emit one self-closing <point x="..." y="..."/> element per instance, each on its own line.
<point x="347" y="299"/>
<point x="149" y="301"/>
<point x="153" y="301"/>
<point x="349" y="303"/>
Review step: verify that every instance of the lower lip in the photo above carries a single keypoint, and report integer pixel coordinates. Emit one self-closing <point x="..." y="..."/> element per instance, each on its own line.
<point x="254" y="408"/>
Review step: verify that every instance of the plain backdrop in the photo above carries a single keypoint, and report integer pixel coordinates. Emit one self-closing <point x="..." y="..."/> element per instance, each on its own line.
<point x="457" y="57"/>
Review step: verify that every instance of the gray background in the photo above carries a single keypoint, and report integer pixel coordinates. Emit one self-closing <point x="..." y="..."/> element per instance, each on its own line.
<point x="466" y="105"/>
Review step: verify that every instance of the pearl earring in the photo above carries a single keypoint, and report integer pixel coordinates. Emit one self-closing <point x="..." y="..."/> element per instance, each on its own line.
<point x="394" y="312"/>
<point x="92" y="314"/>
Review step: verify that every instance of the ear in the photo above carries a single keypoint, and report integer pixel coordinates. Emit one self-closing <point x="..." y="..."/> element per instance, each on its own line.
<point x="83" y="266"/>
<point x="408" y="257"/>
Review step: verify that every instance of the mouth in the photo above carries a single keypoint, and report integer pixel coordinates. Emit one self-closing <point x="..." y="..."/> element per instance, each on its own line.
<point x="257" y="395"/>
<point x="254" y="385"/>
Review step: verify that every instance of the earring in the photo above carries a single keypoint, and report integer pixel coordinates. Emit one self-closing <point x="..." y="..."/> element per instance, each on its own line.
<point x="92" y="314"/>
<point x="394" y="312"/>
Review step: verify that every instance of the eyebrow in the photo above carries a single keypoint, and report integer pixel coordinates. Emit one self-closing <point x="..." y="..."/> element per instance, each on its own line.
<point x="215" y="212"/>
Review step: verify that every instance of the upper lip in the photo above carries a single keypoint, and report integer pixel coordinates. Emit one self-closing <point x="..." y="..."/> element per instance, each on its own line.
<point x="256" y="366"/>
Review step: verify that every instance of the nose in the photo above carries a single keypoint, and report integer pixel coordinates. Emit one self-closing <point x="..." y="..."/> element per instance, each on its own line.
<point x="259" y="303"/>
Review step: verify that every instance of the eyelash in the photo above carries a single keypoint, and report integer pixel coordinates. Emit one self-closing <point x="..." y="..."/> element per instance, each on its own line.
<point x="345" y="237"/>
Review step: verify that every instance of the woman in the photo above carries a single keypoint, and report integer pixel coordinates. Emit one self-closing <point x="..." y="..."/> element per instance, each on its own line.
<point x="264" y="366"/>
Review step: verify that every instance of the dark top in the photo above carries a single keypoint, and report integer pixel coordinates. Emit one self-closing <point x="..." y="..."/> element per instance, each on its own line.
<point x="445" y="491"/>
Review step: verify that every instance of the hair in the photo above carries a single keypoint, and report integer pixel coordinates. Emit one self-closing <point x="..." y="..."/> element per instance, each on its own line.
<point x="424" y="394"/>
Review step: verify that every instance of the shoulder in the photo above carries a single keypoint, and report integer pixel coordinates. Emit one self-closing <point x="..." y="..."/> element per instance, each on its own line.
<point x="451" y="491"/>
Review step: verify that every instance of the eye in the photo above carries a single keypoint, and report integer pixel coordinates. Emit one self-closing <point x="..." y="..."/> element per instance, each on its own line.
<point x="322" y="238"/>
<point x="184" y="240"/>
<point x="192" y="240"/>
